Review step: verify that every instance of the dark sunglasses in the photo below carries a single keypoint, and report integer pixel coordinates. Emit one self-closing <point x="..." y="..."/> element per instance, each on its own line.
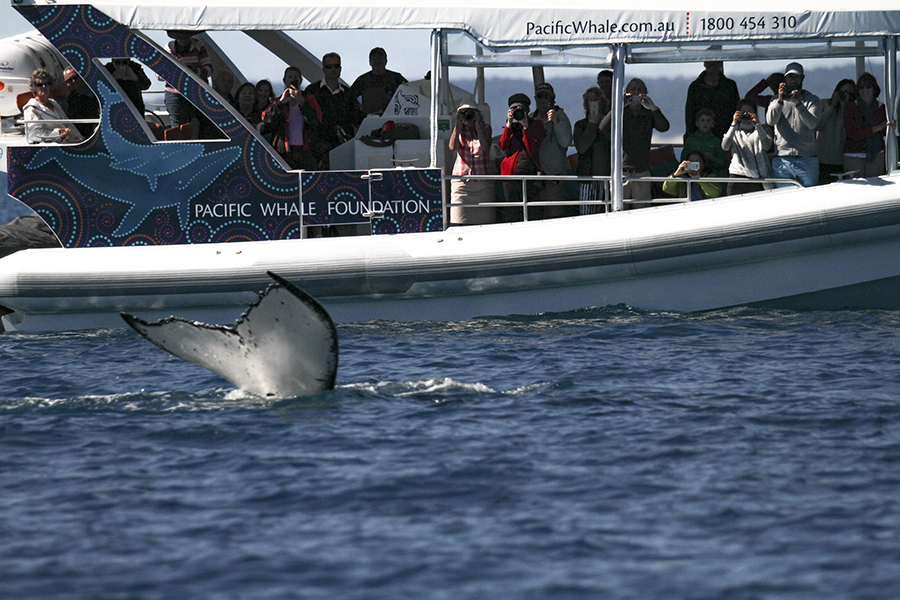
<point x="42" y="85"/>
<point x="71" y="80"/>
<point x="332" y="66"/>
<point x="544" y="97"/>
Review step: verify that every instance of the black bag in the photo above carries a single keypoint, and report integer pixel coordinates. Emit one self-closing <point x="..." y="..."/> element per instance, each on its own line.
<point x="388" y="133"/>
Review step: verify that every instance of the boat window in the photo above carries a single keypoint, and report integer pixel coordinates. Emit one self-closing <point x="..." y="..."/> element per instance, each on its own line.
<point x="463" y="50"/>
<point x="752" y="51"/>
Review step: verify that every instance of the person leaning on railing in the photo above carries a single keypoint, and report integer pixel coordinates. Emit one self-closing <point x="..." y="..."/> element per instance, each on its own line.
<point x="700" y="190"/>
<point x="44" y="108"/>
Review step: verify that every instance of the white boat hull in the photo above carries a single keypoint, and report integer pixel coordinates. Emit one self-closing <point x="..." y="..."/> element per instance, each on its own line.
<point x="833" y="246"/>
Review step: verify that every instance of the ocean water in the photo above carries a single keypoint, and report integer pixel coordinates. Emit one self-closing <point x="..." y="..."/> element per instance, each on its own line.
<point x="608" y="453"/>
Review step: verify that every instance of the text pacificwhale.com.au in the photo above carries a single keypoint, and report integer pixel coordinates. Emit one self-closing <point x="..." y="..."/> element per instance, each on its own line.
<point x="596" y="27"/>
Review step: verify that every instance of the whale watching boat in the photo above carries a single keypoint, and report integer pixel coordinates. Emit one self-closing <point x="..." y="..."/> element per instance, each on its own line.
<point x="190" y="227"/>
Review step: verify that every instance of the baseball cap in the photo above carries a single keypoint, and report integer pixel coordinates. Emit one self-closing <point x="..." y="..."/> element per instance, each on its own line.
<point x="795" y="68"/>
<point x="544" y="87"/>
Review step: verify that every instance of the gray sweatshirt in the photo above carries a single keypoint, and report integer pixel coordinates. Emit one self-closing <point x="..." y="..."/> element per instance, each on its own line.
<point x="795" y="125"/>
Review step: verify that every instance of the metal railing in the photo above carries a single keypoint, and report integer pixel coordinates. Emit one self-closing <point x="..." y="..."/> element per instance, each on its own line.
<point x="27" y="122"/>
<point x="525" y="203"/>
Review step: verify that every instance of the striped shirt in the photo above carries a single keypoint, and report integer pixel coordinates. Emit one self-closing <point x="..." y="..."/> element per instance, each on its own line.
<point x="195" y="58"/>
<point x="471" y="158"/>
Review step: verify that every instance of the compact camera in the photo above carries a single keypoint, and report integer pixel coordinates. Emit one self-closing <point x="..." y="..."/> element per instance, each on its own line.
<point x="693" y="166"/>
<point x="790" y="89"/>
<point x="633" y="97"/>
<point x="519" y="112"/>
<point x="745" y="116"/>
<point x="295" y="84"/>
<point x="467" y="115"/>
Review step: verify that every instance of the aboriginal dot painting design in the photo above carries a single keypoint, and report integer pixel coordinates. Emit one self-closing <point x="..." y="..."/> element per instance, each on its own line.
<point x="121" y="189"/>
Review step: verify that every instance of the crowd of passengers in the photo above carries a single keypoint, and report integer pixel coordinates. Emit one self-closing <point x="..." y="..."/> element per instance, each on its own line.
<point x="302" y="124"/>
<point x="804" y="139"/>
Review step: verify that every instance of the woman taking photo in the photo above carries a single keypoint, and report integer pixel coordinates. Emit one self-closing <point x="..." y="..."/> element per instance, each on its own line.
<point x="471" y="140"/>
<point x="830" y="134"/>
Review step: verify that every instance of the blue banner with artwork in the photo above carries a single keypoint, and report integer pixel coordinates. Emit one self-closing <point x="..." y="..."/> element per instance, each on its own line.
<point x="122" y="187"/>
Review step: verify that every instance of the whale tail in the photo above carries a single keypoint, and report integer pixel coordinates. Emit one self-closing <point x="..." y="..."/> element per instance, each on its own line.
<point x="284" y="346"/>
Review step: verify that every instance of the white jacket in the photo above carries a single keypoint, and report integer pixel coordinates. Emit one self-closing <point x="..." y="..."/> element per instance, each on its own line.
<point x="48" y="132"/>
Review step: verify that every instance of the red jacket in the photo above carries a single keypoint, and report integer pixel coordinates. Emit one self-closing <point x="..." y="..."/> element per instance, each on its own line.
<point x="513" y="142"/>
<point x="857" y="131"/>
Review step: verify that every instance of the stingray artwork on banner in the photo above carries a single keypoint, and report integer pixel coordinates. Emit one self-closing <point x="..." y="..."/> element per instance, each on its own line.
<point x="122" y="187"/>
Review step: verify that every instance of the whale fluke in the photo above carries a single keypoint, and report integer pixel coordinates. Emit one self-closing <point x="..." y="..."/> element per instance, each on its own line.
<point x="284" y="346"/>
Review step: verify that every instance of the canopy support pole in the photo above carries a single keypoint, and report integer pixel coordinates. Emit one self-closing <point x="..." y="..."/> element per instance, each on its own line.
<point x="436" y="39"/>
<point x="890" y="99"/>
<point x="617" y="106"/>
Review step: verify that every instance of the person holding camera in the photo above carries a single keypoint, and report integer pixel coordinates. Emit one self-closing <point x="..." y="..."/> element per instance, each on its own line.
<point x="749" y="142"/>
<point x="830" y="134"/>
<point x="292" y="118"/>
<point x="521" y="141"/>
<point x="593" y="147"/>
<point x="794" y="114"/>
<point x="131" y="78"/>
<point x="640" y="118"/>
<point x="471" y="140"/>
<point x="692" y="168"/>
<point x="557" y="137"/>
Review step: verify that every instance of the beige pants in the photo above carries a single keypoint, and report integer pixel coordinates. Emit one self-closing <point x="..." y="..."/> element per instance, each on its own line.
<point x="471" y="191"/>
<point x="864" y="168"/>
<point x="638" y="190"/>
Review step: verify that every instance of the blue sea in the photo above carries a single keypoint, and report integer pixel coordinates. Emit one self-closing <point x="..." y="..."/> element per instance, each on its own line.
<point x="609" y="453"/>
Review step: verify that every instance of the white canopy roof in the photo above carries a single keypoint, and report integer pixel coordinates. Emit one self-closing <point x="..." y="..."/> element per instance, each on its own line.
<point x="504" y="23"/>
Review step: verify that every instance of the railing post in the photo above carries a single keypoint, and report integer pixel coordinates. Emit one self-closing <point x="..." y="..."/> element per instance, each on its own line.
<point x="524" y="199"/>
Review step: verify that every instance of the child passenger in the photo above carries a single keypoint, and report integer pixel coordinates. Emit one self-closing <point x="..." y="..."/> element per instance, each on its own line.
<point x="706" y="142"/>
<point x="749" y="142"/>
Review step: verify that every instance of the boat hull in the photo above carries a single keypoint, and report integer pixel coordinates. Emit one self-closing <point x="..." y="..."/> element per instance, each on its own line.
<point x="828" y="247"/>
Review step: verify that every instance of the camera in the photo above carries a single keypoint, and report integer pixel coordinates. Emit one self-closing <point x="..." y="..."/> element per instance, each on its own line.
<point x="467" y="115"/>
<point x="745" y="116"/>
<point x="519" y="112"/>
<point x="790" y="89"/>
<point x="693" y="166"/>
<point x="633" y="97"/>
<point x="295" y="84"/>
